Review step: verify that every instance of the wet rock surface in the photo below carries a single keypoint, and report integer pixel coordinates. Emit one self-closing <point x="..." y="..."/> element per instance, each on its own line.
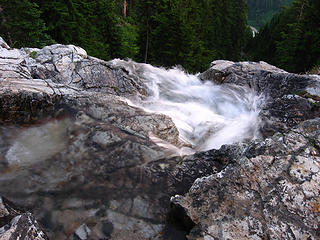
<point x="82" y="157"/>
<point x="290" y="98"/>
<point x="73" y="150"/>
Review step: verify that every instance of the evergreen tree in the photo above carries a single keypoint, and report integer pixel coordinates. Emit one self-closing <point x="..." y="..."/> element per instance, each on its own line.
<point x="191" y="32"/>
<point x="162" y="32"/>
<point x="144" y="11"/>
<point x="292" y="39"/>
<point x="21" y="25"/>
<point x="261" y="11"/>
<point x="91" y="24"/>
<point x="128" y="39"/>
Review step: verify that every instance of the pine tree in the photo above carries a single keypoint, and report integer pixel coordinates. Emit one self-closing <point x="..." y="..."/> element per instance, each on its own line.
<point x="21" y="25"/>
<point x="162" y="32"/>
<point x="191" y="32"/>
<point x="292" y="39"/>
<point x="91" y="24"/>
<point x="261" y="11"/>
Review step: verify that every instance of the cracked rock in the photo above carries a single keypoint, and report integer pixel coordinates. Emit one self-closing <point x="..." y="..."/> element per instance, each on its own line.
<point x="266" y="194"/>
<point x="16" y="224"/>
<point x="95" y="171"/>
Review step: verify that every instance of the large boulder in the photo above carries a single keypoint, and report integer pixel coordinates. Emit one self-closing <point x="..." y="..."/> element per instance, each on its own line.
<point x="72" y="145"/>
<point x="271" y="191"/>
<point x="289" y="98"/>
<point x="78" y="154"/>
<point x="92" y="165"/>
<point x="71" y="66"/>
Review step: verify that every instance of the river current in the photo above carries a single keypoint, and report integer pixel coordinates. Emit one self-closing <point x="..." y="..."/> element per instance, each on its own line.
<point x="206" y="114"/>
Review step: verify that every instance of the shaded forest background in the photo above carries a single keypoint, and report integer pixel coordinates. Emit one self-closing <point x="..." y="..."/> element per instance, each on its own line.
<point x="262" y="11"/>
<point x="190" y="33"/>
<point x="291" y="40"/>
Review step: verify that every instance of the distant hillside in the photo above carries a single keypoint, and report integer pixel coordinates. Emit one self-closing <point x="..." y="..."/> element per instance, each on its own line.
<point x="291" y="40"/>
<point x="261" y="11"/>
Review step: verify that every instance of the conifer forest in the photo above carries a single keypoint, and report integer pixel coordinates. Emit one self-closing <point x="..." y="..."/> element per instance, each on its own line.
<point x="190" y="33"/>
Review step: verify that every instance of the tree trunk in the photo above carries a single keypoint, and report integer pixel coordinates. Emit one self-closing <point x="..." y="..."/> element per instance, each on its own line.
<point x="147" y="43"/>
<point x="124" y="8"/>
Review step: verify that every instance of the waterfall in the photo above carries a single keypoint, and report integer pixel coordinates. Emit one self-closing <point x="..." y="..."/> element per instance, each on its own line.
<point x="206" y="114"/>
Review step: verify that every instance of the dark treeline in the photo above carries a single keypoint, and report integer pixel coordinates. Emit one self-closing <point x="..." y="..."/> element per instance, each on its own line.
<point x="161" y="32"/>
<point x="261" y="11"/>
<point x="292" y="39"/>
<point x="191" y="33"/>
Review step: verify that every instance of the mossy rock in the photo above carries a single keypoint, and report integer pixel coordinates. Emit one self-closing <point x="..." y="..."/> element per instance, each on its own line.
<point x="33" y="54"/>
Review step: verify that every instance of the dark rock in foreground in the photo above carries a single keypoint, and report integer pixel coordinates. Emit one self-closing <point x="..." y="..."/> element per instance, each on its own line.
<point x="270" y="192"/>
<point x="73" y="150"/>
<point x="16" y="224"/>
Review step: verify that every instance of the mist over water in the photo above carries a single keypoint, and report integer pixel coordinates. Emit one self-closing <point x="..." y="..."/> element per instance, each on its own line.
<point x="207" y="115"/>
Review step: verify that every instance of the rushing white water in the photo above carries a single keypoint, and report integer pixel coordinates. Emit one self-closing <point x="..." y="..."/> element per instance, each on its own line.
<point x="207" y="115"/>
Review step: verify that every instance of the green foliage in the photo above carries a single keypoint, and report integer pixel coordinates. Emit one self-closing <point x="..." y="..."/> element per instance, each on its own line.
<point x="21" y="25"/>
<point x="292" y="39"/>
<point x="191" y="32"/>
<point x="315" y="69"/>
<point x="33" y="54"/>
<point x="262" y="11"/>
<point x="94" y="25"/>
<point x="89" y="24"/>
<point x="129" y="37"/>
<point x="162" y="32"/>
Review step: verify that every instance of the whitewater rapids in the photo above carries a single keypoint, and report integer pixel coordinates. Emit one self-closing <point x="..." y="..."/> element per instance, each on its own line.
<point x="207" y="115"/>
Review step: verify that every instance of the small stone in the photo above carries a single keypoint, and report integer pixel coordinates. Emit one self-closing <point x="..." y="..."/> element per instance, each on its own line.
<point x="103" y="139"/>
<point x="83" y="232"/>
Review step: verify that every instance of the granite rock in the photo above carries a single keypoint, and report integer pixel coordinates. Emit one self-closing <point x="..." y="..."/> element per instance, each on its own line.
<point x="17" y="224"/>
<point x="289" y="98"/>
<point x="271" y="191"/>
<point x="93" y="170"/>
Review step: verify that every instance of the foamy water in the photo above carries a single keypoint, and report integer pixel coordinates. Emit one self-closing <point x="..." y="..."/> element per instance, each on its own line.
<point x="207" y="115"/>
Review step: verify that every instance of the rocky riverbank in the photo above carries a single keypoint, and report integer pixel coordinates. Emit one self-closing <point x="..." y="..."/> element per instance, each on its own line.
<point x="83" y="160"/>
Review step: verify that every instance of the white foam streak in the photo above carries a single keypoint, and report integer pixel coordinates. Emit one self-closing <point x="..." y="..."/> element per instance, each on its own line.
<point x="207" y="115"/>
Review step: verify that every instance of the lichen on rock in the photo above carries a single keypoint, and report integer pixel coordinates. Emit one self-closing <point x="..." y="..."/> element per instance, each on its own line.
<point x="269" y="192"/>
